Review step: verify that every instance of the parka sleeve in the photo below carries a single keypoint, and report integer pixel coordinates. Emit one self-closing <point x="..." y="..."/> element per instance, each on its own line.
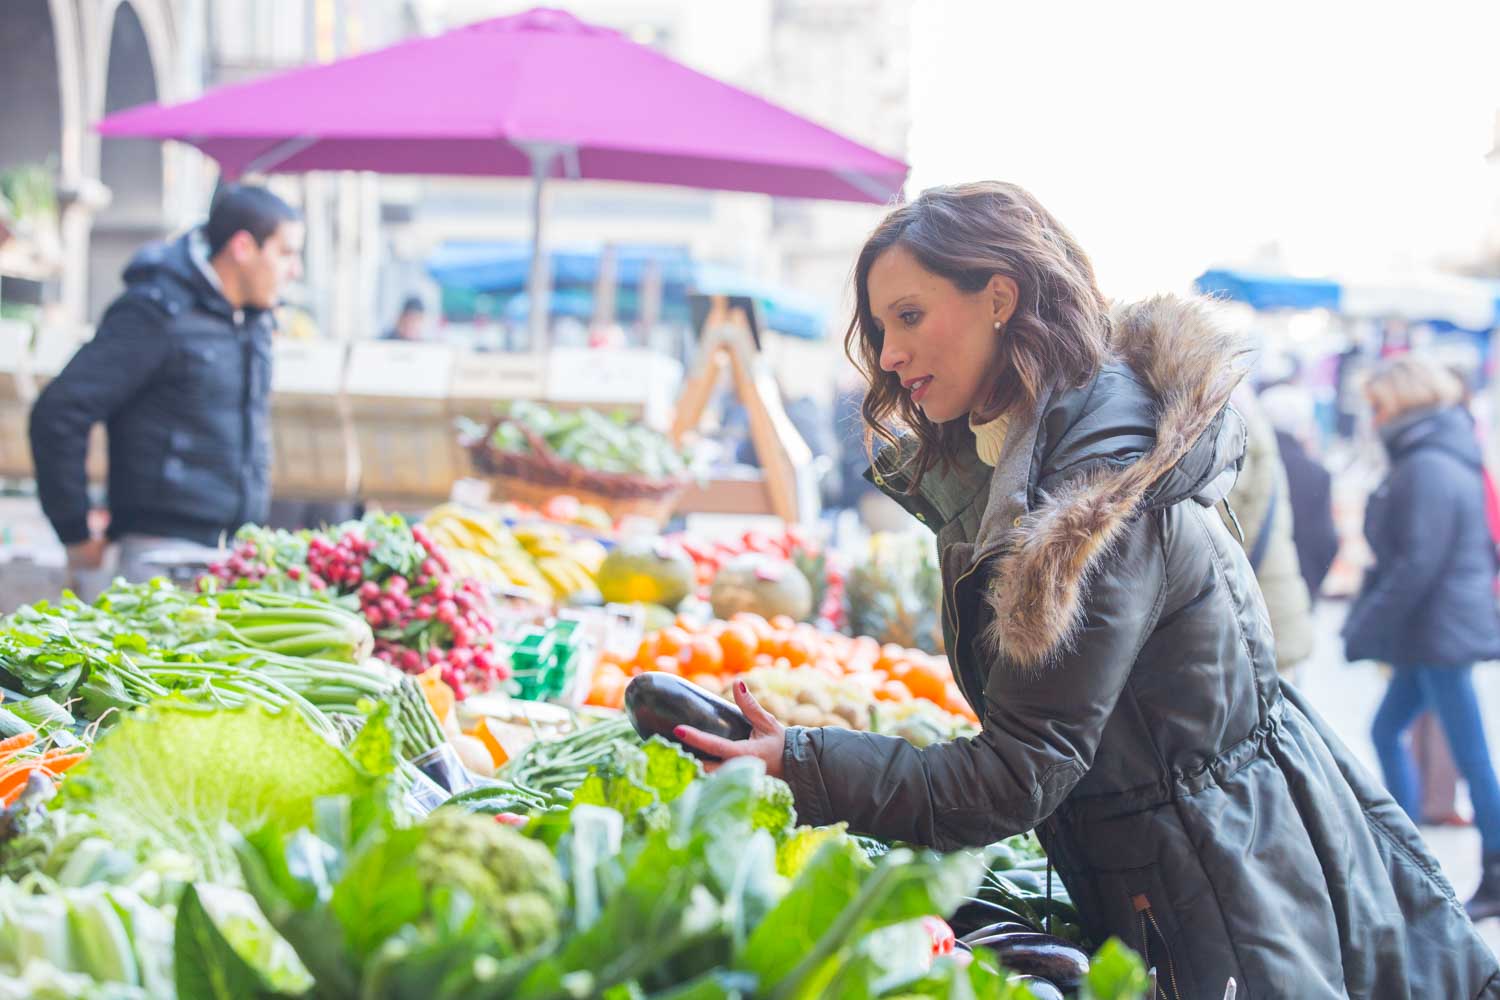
<point x="1041" y="728"/>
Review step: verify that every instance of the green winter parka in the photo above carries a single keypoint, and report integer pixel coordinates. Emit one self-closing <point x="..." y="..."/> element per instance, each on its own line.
<point x="1106" y="627"/>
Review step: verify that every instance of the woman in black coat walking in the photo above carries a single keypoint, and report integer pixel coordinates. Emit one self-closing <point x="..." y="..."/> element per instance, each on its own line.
<point x="1427" y="607"/>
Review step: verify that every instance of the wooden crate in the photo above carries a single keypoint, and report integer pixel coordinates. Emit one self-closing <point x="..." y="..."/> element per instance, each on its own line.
<point x="315" y="454"/>
<point x="398" y="399"/>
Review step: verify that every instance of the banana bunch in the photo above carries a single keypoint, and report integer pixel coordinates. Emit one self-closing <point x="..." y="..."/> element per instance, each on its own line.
<point x="541" y="557"/>
<point x="570" y="565"/>
<point x="484" y="549"/>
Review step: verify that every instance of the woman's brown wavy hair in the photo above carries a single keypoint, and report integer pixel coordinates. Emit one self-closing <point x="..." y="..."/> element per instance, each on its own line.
<point x="1058" y="334"/>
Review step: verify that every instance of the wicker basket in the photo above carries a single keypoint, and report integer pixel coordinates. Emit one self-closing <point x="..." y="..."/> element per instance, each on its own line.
<point x="534" y="477"/>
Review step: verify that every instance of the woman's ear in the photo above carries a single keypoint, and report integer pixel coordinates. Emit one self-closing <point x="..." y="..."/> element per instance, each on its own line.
<point x="1004" y="296"/>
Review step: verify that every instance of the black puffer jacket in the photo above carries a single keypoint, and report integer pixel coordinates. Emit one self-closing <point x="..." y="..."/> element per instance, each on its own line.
<point x="1429" y="600"/>
<point x="1107" y="628"/>
<point x="182" y="381"/>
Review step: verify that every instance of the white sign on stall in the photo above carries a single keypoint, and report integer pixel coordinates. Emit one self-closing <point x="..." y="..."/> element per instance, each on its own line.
<point x="606" y="377"/>
<point x="308" y="367"/>
<point x="395" y="368"/>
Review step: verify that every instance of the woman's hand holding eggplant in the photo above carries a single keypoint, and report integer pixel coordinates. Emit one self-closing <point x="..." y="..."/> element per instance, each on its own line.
<point x="767" y="738"/>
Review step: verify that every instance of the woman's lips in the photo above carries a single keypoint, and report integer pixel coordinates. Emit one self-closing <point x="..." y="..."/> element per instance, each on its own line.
<point x="918" y="388"/>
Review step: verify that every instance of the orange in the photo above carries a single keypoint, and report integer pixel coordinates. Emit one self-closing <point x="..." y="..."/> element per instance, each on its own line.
<point x="799" y="650"/>
<point x="783" y="622"/>
<point x="757" y="624"/>
<point x="739" y="644"/>
<point x="701" y="656"/>
<point x="668" y="665"/>
<point x="763" y="660"/>
<point x="686" y="623"/>
<point x="893" y="691"/>
<point x="670" y="641"/>
<point x="608" y="687"/>
<point x="925" y="681"/>
<point x="646" y="652"/>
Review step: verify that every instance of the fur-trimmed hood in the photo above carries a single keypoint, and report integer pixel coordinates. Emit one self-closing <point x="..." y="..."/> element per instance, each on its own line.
<point x="1154" y="432"/>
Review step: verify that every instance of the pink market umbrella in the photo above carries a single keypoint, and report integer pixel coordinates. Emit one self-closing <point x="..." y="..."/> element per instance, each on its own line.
<point x="539" y="94"/>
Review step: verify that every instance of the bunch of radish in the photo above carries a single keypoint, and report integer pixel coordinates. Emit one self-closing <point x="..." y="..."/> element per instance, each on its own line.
<point x="421" y="613"/>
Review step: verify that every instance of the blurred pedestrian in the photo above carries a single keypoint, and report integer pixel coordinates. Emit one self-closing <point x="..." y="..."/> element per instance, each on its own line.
<point x="180" y="372"/>
<point x="1263" y="509"/>
<point x="1293" y="415"/>
<point x="409" y="322"/>
<point x="1427" y="606"/>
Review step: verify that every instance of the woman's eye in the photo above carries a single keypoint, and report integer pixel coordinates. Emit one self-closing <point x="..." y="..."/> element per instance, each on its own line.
<point x="910" y="317"/>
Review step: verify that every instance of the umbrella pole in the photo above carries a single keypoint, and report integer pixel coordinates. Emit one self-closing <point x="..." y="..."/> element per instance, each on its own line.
<point x="538" y="284"/>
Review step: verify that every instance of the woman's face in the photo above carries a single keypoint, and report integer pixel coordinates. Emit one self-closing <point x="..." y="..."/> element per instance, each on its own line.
<point x="939" y="340"/>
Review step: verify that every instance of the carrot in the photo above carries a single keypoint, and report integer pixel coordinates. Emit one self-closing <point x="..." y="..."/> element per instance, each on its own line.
<point x="18" y="742"/>
<point x="9" y="748"/>
<point x="14" y="779"/>
<point x="57" y="765"/>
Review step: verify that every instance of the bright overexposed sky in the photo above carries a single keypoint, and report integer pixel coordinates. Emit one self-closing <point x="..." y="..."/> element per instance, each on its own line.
<point x="1174" y="136"/>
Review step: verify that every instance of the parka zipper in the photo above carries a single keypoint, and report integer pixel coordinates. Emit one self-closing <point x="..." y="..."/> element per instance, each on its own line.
<point x="952" y="610"/>
<point x="1145" y="914"/>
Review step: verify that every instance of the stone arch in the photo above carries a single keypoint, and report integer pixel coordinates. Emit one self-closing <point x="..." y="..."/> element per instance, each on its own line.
<point x="132" y="56"/>
<point x="41" y="118"/>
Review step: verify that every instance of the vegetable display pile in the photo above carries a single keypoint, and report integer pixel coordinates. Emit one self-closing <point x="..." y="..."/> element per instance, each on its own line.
<point x="793" y="545"/>
<point x="421" y="613"/>
<point x="235" y="852"/>
<point x="780" y="651"/>
<point x="894" y="591"/>
<point x="144" y="642"/>
<point x="597" y="441"/>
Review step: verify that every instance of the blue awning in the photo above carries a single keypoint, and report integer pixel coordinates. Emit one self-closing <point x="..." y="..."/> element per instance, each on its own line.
<point x="501" y="269"/>
<point x="1267" y="292"/>
<point x="1442" y="300"/>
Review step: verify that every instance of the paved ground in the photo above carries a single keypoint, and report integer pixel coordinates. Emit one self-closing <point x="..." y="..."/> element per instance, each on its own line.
<point x="1347" y="697"/>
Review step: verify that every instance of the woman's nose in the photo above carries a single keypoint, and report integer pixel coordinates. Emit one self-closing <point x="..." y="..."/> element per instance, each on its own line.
<point x="893" y="355"/>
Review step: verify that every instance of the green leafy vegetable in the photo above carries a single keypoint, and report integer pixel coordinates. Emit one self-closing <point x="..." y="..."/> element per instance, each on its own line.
<point x="1115" y="973"/>
<point x="227" y="950"/>
<point x="171" y="776"/>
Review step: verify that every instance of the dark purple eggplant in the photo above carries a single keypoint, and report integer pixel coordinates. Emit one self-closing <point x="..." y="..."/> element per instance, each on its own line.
<point x="1043" y="955"/>
<point x="658" y="703"/>
<point x="1041" y="989"/>
<point x="994" y="930"/>
<point x="976" y="913"/>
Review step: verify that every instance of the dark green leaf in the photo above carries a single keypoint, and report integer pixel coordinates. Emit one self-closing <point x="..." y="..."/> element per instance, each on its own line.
<point x="207" y="966"/>
<point x="1115" y="973"/>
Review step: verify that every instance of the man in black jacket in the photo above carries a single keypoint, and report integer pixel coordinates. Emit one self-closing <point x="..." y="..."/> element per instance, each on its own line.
<point x="179" y="371"/>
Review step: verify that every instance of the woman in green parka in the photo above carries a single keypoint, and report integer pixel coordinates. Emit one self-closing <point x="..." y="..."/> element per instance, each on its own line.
<point x="1106" y="627"/>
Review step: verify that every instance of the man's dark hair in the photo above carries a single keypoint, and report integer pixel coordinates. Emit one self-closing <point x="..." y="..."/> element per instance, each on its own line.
<point x="253" y="209"/>
<point x="412" y="304"/>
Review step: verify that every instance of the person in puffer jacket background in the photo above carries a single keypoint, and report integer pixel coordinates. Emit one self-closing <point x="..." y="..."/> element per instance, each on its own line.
<point x="179" y="371"/>
<point x="1427" y="606"/>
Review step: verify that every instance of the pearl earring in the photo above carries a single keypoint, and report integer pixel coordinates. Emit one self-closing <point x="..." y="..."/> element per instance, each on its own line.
<point x="999" y="326"/>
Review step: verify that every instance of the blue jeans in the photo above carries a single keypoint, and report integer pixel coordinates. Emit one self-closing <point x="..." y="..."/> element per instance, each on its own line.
<point x="1449" y="693"/>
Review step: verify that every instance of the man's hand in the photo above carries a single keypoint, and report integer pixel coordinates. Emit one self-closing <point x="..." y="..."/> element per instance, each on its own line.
<point x="88" y="555"/>
<point x="767" y="738"/>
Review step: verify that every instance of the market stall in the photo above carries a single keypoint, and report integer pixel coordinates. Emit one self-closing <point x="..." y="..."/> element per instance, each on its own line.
<point x="338" y="766"/>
